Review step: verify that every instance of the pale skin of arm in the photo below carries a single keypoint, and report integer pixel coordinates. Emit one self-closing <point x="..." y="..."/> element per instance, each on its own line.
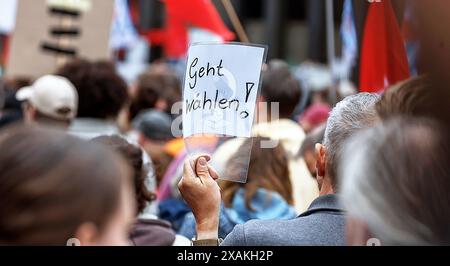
<point x="202" y="193"/>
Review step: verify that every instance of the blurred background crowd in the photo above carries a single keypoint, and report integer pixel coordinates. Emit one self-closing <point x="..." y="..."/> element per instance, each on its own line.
<point x="87" y="149"/>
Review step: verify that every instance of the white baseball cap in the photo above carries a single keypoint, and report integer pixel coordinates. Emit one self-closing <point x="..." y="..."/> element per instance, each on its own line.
<point x="53" y="96"/>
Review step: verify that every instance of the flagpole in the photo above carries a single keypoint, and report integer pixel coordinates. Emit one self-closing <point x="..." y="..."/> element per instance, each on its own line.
<point x="231" y="12"/>
<point x="330" y="31"/>
<point x="331" y="45"/>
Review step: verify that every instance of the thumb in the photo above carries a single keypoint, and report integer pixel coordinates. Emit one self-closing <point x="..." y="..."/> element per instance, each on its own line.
<point x="201" y="168"/>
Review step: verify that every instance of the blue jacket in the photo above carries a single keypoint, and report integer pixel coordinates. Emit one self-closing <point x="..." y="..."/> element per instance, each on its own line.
<point x="266" y="205"/>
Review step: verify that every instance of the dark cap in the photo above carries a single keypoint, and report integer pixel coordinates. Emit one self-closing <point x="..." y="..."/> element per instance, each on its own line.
<point x="154" y="124"/>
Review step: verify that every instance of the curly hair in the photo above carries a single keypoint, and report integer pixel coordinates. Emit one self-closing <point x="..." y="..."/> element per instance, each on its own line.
<point x="133" y="155"/>
<point x="153" y="86"/>
<point x="102" y="92"/>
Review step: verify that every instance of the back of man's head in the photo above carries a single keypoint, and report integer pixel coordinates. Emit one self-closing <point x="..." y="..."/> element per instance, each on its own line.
<point x="280" y="86"/>
<point x="399" y="172"/>
<point x="102" y="91"/>
<point x="351" y="115"/>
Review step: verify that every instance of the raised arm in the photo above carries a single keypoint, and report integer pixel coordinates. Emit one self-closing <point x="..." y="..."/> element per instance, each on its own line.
<point x="201" y="192"/>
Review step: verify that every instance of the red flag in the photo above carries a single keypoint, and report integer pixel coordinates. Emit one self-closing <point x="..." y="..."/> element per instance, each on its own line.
<point x="184" y="13"/>
<point x="383" y="56"/>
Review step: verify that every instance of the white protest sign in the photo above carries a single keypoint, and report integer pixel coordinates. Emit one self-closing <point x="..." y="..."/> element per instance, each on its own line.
<point x="221" y="86"/>
<point x="48" y="32"/>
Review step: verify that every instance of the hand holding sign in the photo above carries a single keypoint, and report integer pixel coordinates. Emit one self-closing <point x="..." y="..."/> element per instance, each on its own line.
<point x="200" y="191"/>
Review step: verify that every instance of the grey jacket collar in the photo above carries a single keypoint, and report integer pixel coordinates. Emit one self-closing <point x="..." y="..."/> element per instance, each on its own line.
<point x="327" y="203"/>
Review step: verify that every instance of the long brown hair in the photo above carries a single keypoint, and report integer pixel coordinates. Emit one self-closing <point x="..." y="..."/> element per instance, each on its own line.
<point x="268" y="169"/>
<point x="52" y="183"/>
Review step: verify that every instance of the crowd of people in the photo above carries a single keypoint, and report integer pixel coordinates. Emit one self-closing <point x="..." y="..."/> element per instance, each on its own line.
<point x="86" y="156"/>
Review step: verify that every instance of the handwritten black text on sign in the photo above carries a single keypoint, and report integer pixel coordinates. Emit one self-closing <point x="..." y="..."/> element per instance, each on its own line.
<point x="203" y="101"/>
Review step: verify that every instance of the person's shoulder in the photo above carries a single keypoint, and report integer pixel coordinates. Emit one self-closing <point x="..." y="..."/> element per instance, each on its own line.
<point x="152" y="232"/>
<point x="261" y="228"/>
<point x="314" y="229"/>
<point x="260" y="233"/>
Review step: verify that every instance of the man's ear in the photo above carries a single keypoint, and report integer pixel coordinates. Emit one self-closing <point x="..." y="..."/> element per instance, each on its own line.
<point x="321" y="155"/>
<point x="87" y="234"/>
